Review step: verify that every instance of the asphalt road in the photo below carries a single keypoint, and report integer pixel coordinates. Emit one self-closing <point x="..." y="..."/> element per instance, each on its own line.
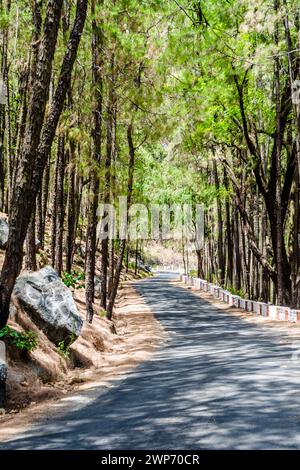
<point x="217" y="383"/>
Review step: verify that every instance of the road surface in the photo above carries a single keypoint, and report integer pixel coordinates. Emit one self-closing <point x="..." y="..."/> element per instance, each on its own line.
<point x="218" y="382"/>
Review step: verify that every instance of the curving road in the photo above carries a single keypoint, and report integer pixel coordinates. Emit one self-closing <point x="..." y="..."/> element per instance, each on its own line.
<point x="217" y="383"/>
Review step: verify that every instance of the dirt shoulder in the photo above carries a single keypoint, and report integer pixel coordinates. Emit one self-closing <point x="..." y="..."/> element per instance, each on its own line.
<point x="138" y="334"/>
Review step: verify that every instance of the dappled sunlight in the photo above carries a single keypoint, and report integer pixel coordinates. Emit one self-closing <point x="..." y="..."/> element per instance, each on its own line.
<point x="217" y="382"/>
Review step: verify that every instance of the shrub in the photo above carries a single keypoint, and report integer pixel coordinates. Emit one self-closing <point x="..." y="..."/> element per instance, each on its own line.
<point x="25" y="341"/>
<point x="63" y="350"/>
<point x="193" y="273"/>
<point x="234" y="291"/>
<point x="74" y="279"/>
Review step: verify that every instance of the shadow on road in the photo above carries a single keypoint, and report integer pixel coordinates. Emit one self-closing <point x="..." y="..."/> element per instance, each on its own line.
<point x="217" y="382"/>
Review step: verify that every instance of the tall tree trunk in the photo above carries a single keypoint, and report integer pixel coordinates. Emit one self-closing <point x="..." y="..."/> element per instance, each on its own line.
<point x="44" y="201"/>
<point x="60" y="211"/>
<point x="24" y="91"/>
<point x="39" y="217"/>
<point x="71" y="210"/>
<point x="111" y="266"/>
<point x="107" y="182"/>
<point x="97" y="65"/>
<point x="295" y="262"/>
<point x="221" y="258"/>
<point x="36" y="147"/>
<point x="229" y="240"/>
<point x="54" y="207"/>
<point x="281" y="297"/>
<point x="200" y="273"/>
<point x="237" y="254"/>
<point x="119" y="264"/>
<point x="136" y="257"/>
<point x="31" y="245"/>
<point x="6" y="111"/>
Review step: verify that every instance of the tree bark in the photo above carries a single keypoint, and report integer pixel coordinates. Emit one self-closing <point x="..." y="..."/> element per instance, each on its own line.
<point x="119" y="264"/>
<point x="281" y="294"/>
<point x="31" y="245"/>
<point x="71" y="210"/>
<point x="221" y="258"/>
<point x="60" y="211"/>
<point x="107" y="182"/>
<point x="97" y="65"/>
<point x="36" y="147"/>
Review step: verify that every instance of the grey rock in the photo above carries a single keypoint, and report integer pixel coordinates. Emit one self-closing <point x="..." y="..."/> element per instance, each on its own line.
<point x="4" y="229"/>
<point x="50" y="304"/>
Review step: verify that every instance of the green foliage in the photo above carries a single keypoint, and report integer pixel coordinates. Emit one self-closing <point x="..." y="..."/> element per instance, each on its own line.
<point x="75" y="279"/>
<point x="173" y="68"/>
<point x="101" y="313"/>
<point x="4" y="21"/>
<point x="63" y="350"/>
<point x="25" y="341"/>
<point x="193" y="273"/>
<point x="235" y="291"/>
<point x="131" y="265"/>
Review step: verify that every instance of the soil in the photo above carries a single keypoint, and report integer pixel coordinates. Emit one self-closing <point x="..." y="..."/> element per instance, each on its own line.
<point x="105" y="351"/>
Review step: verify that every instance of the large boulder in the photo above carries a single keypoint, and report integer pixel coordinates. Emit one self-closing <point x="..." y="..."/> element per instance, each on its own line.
<point x="4" y="229"/>
<point x="50" y="304"/>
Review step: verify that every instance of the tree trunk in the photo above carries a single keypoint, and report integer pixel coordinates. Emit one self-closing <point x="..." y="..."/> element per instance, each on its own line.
<point x="31" y="245"/>
<point x="119" y="265"/>
<point x="238" y="268"/>
<point x="281" y="294"/>
<point x="71" y="210"/>
<point x="221" y="257"/>
<point x="229" y="273"/>
<point x="36" y="147"/>
<point x="59" y="210"/>
<point x="136" y="257"/>
<point x="200" y="273"/>
<point x="44" y="201"/>
<point x="97" y="66"/>
<point x="107" y="182"/>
